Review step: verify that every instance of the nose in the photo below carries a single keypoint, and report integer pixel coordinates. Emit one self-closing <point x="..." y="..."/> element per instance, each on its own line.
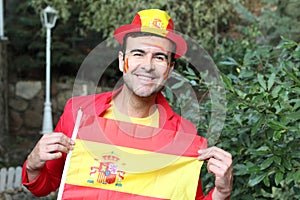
<point x="148" y="63"/>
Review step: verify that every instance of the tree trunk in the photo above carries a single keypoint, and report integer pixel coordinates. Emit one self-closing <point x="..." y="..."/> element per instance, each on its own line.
<point x="4" y="133"/>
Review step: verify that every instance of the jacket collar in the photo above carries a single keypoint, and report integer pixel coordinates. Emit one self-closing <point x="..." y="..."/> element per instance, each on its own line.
<point x="103" y="103"/>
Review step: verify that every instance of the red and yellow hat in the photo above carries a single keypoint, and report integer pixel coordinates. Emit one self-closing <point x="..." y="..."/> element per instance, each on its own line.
<point x="153" y="21"/>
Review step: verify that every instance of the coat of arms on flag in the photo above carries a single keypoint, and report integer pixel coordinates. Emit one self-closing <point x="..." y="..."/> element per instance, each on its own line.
<point x="107" y="170"/>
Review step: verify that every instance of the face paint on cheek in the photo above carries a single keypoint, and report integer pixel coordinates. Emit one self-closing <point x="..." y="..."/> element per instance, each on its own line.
<point x="126" y="66"/>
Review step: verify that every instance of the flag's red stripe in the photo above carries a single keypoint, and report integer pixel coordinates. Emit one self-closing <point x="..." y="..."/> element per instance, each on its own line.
<point x="132" y="135"/>
<point x="74" y="192"/>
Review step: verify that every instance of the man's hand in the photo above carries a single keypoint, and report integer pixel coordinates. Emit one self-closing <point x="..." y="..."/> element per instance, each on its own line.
<point x="49" y="147"/>
<point x="219" y="164"/>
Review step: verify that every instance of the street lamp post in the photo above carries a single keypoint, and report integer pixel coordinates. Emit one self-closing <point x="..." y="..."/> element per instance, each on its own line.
<point x="48" y="18"/>
<point x="1" y="20"/>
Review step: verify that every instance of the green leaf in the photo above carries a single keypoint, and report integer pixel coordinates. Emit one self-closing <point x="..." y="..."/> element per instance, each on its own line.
<point x="240" y="93"/>
<point x="271" y="81"/>
<point x="227" y="82"/>
<point x="258" y="124"/>
<point x="267" y="181"/>
<point x="278" y="178"/>
<point x="276" y="91"/>
<point x="240" y="169"/>
<point x="297" y="104"/>
<point x="253" y="169"/>
<point x="295" y="116"/>
<point x="230" y="62"/>
<point x="177" y="85"/>
<point x="277" y="160"/>
<point x="169" y="94"/>
<point x="277" y="135"/>
<point x="261" y="81"/>
<point x="295" y="154"/>
<point x="275" y="125"/>
<point x="287" y="164"/>
<point x="246" y="74"/>
<point x="237" y="117"/>
<point x="266" y="163"/>
<point x="292" y="76"/>
<point x="290" y="177"/>
<point x="297" y="176"/>
<point x="263" y="148"/>
<point x="254" y="180"/>
<point x="190" y="71"/>
<point x="287" y="43"/>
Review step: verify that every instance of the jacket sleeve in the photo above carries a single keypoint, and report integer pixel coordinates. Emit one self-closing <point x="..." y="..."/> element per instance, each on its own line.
<point x="50" y="176"/>
<point x="200" y="195"/>
<point x="48" y="180"/>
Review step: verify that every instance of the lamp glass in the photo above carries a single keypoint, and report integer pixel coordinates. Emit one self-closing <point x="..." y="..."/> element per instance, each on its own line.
<point x="48" y="17"/>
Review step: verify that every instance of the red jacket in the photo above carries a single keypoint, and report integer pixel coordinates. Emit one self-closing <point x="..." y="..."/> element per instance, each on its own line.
<point x="50" y="176"/>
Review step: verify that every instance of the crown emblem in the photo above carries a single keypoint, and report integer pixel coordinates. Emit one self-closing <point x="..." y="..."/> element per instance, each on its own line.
<point x="110" y="157"/>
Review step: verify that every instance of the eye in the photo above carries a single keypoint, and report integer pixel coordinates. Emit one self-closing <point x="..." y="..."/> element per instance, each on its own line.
<point x="161" y="58"/>
<point x="137" y="54"/>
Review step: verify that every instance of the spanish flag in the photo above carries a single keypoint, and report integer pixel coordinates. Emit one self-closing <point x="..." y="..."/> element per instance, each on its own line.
<point x="119" y="160"/>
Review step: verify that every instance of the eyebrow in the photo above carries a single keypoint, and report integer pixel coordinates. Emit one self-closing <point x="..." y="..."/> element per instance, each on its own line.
<point x="137" y="50"/>
<point x="156" y="54"/>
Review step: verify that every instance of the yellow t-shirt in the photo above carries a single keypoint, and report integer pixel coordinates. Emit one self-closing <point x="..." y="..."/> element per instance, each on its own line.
<point x="114" y="113"/>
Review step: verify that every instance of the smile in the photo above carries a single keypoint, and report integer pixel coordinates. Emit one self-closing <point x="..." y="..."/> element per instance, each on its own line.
<point x="146" y="78"/>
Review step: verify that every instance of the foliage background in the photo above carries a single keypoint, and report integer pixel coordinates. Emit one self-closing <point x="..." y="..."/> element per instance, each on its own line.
<point x="254" y="43"/>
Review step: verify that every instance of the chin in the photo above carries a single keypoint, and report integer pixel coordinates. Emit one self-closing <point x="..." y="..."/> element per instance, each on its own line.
<point x="145" y="94"/>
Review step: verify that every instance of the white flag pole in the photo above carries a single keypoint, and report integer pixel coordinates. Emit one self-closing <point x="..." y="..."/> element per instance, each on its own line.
<point x="67" y="162"/>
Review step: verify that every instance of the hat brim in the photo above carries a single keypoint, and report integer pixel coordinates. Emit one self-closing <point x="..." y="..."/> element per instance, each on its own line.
<point x="181" y="46"/>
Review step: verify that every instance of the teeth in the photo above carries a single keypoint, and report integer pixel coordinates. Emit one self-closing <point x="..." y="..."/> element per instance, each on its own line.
<point x="145" y="78"/>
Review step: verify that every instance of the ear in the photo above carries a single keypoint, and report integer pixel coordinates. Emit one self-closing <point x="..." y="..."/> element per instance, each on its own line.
<point x="121" y="61"/>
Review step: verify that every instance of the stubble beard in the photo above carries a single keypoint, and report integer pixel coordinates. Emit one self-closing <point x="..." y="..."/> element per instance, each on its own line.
<point x="139" y="91"/>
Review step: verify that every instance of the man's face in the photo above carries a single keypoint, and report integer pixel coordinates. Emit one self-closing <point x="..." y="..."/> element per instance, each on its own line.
<point x="147" y="65"/>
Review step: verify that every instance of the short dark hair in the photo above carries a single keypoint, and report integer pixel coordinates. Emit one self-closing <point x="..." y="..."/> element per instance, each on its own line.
<point x="141" y="34"/>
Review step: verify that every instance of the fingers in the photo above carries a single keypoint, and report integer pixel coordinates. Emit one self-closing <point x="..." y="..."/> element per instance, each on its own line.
<point x="218" y="167"/>
<point x="42" y="158"/>
<point x="57" y="138"/>
<point x="54" y="142"/>
<point x="55" y="155"/>
<point x="50" y="147"/>
<point x="219" y="163"/>
<point x="213" y="152"/>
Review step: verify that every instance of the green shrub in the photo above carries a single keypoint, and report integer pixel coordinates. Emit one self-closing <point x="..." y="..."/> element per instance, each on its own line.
<point x="262" y="130"/>
<point x="263" y="127"/>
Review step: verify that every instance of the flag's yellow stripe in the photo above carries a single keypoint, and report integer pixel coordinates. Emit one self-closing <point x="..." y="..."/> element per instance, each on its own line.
<point x="146" y="173"/>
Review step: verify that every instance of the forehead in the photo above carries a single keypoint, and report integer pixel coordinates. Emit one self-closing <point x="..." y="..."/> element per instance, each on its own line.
<point x="149" y="42"/>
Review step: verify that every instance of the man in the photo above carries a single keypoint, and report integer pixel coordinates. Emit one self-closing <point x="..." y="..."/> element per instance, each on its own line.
<point x="147" y="60"/>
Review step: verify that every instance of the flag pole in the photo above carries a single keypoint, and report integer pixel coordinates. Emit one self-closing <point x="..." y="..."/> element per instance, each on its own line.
<point x="67" y="162"/>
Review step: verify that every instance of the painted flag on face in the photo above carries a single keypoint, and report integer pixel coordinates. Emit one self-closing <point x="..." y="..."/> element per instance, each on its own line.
<point x="119" y="160"/>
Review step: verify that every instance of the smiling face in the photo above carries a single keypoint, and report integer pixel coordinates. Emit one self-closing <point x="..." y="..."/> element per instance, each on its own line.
<point x="146" y="64"/>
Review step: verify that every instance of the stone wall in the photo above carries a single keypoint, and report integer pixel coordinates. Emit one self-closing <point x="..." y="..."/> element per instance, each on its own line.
<point x="26" y="104"/>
